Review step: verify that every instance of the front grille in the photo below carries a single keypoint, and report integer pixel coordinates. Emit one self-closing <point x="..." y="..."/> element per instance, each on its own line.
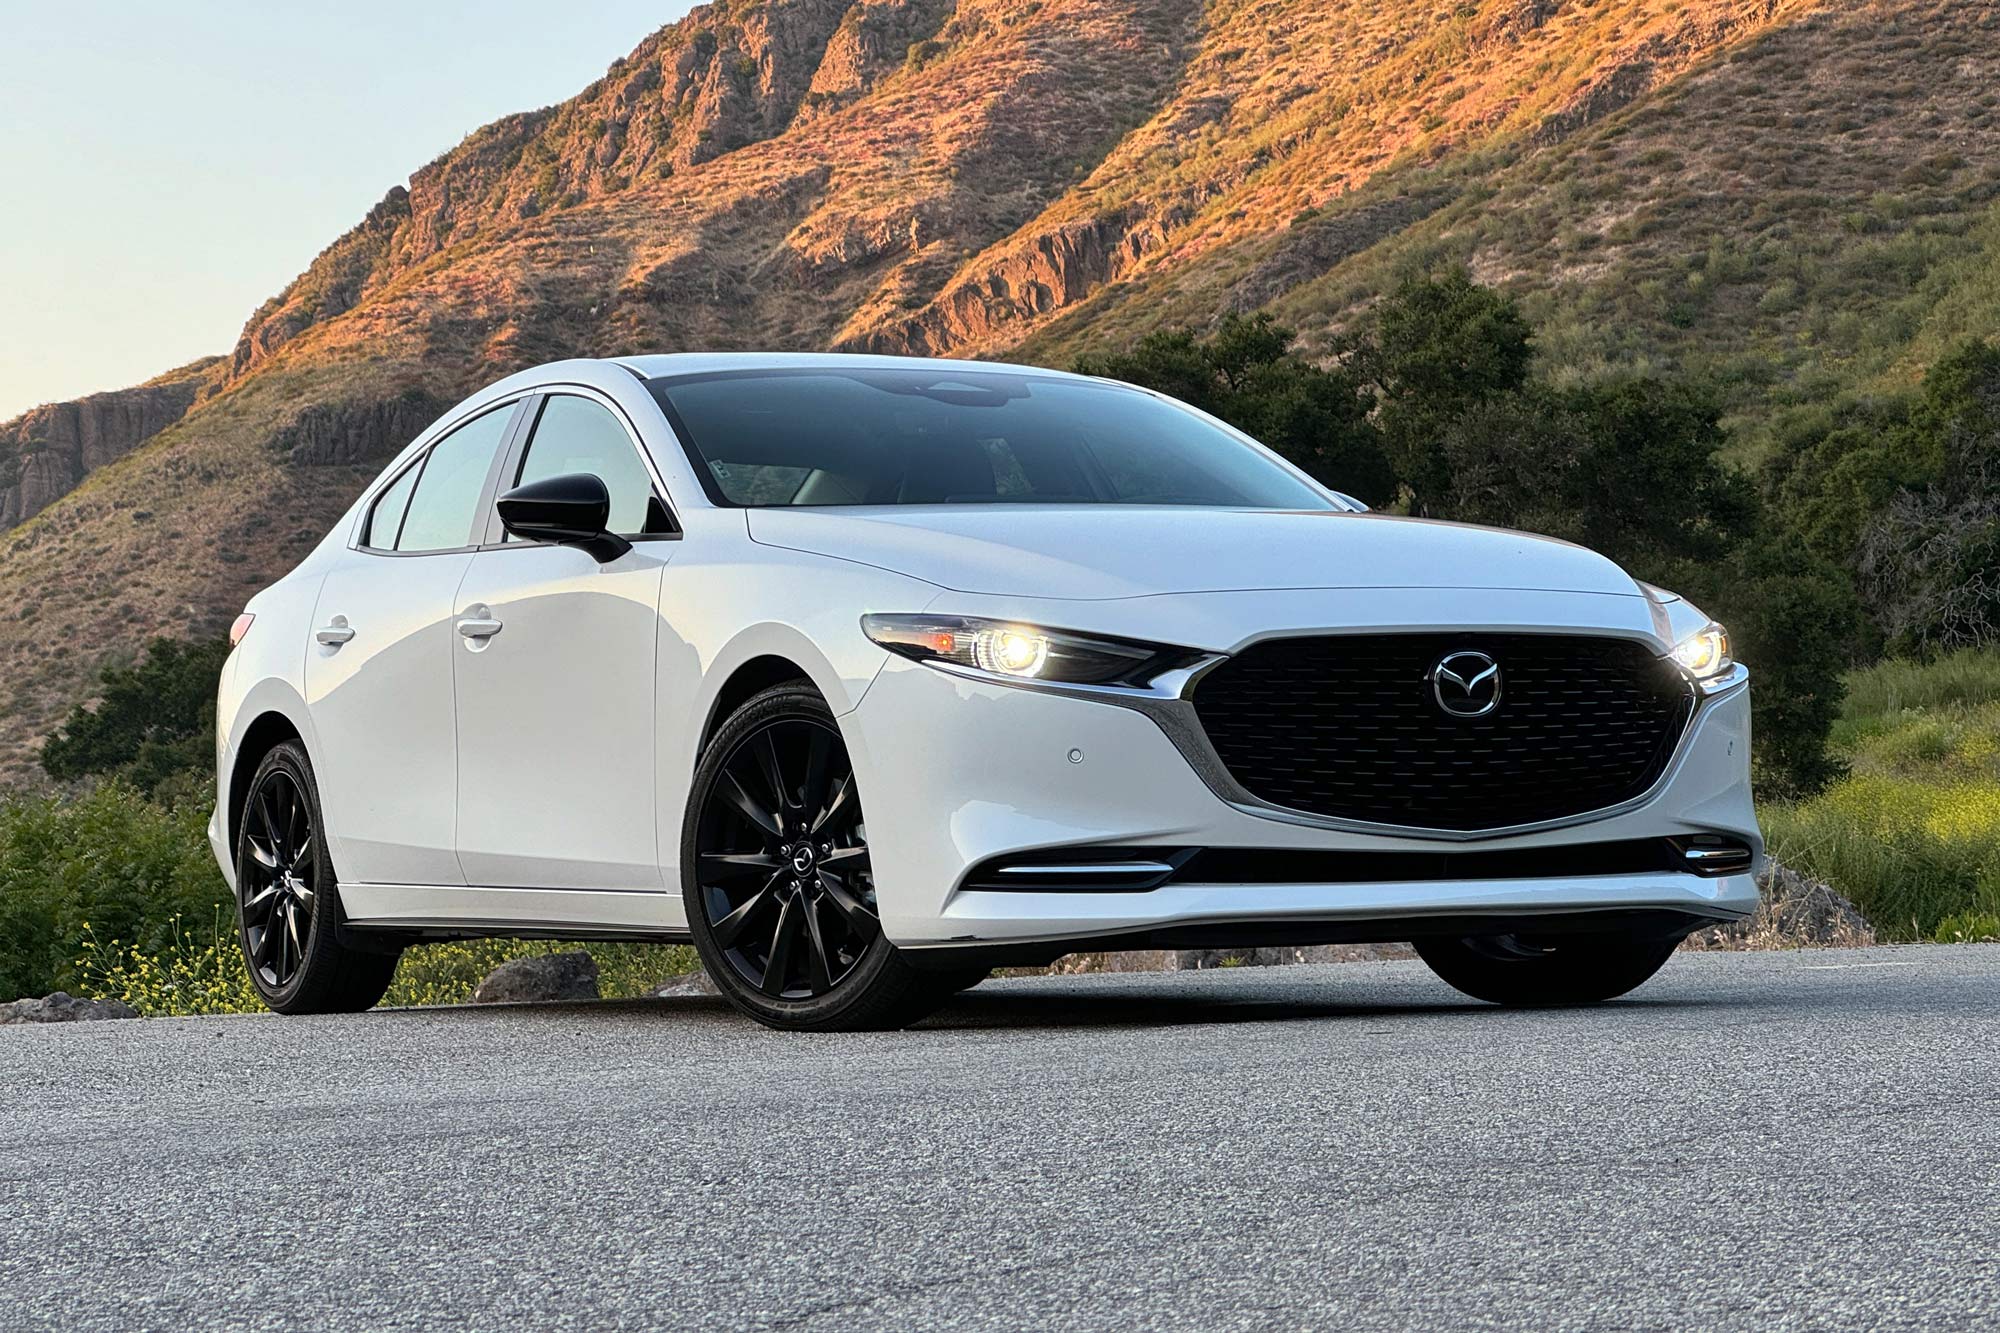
<point x="1348" y="726"/>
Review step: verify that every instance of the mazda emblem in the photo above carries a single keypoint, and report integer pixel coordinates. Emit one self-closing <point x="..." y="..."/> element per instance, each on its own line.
<point x="1466" y="684"/>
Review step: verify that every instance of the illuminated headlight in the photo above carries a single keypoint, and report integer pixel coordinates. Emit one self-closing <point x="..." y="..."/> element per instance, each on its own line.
<point x="1023" y="652"/>
<point x="1705" y="653"/>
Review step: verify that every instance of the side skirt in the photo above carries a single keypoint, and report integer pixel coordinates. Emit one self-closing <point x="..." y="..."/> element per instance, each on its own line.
<point x="459" y="911"/>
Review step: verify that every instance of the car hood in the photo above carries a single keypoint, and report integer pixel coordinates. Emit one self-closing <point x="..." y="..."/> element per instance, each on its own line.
<point x="1101" y="552"/>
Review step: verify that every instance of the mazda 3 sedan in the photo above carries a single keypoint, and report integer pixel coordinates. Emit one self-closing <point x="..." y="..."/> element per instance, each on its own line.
<point x="869" y="675"/>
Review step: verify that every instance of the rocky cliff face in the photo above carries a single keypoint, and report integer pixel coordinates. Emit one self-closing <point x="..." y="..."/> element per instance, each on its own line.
<point x="1031" y="177"/>
<point x="44" y="453"/>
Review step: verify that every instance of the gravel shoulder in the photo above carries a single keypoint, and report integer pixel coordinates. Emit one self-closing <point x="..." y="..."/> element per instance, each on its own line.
<point x="1754" y="1140"/>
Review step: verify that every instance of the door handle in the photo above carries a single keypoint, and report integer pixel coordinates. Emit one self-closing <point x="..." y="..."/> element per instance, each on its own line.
<point x="334" y="634"/>
<point x="479" y="627"/>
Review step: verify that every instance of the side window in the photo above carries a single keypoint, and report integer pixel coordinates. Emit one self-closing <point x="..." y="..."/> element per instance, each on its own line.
<point x="385" y="520"/>
<point x="454" y="476"/>
<point x="577" y="435"/>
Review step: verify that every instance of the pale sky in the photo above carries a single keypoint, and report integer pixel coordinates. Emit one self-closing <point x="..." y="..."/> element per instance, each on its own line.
<point x="164" y="168"/>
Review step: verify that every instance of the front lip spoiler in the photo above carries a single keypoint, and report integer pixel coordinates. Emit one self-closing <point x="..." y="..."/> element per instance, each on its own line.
<point x="1661" y="923"/>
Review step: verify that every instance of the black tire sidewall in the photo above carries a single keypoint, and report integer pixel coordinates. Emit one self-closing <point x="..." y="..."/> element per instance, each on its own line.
<point x="318" y="980"/>
<point x="878" y="983"/>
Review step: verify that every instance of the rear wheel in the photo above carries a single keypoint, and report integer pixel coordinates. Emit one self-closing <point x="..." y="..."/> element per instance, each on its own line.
<point x="1545" y="970"/>
<point x="779" y="888"/>
<point x="288" y="902"/>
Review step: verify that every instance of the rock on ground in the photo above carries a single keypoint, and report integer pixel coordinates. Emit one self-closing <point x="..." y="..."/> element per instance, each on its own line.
<point x="555" y="976"/>
<point x="1796" y="912"/>
<point x="62" y="1007"/>
<point x="688" y="983"/>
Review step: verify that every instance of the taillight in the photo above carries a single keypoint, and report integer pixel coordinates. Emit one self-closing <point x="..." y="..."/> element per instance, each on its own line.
<point x="239" y="628"/>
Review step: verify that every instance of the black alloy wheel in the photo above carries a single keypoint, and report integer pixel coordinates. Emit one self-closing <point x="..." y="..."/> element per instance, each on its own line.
<point x="783" y="861"/>
<point x="288" y="900"/>
<point x="779" y="887"/>
<point x="277" y="894"/>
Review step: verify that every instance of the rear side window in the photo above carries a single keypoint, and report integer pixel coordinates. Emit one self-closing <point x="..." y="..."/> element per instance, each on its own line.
<point x="441" y="513"/>
<point x="385" y="520"/>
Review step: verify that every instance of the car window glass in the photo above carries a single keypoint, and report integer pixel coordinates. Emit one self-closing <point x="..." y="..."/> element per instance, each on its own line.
<point x="386" y="518"/>
<point x="948" y="435"/>
<point x="577" y="435"/>
<point x="447" y="498"/>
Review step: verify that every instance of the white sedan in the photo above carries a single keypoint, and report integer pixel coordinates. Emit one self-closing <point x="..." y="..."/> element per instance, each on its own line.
<point x="870" y="674"/>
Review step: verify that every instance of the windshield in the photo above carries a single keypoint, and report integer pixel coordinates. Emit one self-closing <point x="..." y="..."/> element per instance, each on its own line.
<point x="946" y="436"/>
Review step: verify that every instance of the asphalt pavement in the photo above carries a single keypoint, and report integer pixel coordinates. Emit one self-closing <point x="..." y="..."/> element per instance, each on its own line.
<point x="1801" y="1140"/>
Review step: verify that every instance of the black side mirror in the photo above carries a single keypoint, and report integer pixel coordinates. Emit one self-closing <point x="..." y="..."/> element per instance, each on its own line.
<point x="570" y="510"/>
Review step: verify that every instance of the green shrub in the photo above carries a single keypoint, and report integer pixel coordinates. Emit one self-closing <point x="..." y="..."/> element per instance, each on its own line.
<point x="1970" y="928"/>
<point x="106" y="864"/>
<point x="154" y="722"/>
<point x="1913" y="836"/>
<point x="1968" y="678"/>
<point x="200" y="969"/>
<point x="1912" y="856"/>
<point x="449" y="973"/>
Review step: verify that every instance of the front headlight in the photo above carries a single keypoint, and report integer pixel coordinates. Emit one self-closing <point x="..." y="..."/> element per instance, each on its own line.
<point x="1023" y="652"/>
<point x="1705" y="653"/>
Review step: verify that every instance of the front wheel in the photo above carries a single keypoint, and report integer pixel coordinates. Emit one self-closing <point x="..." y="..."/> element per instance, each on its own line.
<point x="776" y="875"/>
<point x="1530" y="971"/>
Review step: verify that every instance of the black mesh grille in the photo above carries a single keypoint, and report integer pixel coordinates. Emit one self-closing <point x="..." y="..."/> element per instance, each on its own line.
<point x="1347" y="726"/>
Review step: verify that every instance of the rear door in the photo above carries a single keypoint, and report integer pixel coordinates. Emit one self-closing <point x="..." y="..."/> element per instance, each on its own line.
<point x="554" y="669"/>
<point x="378" y="671"/>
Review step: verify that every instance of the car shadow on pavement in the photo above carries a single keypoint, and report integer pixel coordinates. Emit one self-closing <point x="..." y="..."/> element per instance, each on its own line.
<point x="1161" y="1004"/>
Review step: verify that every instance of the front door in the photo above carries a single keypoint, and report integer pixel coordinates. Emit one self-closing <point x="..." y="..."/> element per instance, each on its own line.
<point x="554" y="668"/>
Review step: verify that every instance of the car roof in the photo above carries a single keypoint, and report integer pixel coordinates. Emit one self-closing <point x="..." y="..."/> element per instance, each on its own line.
<point x="705" y="363"/>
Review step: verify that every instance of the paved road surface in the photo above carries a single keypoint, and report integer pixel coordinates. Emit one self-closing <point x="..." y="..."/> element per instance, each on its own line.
<point x="1759" y="1141"/>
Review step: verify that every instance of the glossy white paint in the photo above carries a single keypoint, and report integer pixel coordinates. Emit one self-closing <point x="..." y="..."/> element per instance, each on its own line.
<point x="382" y="705"/>
<point x="1137" y="551"/>
<point x="538" y="781"/>
<point x="555" y="718"/>
<point x="972" y="770"/>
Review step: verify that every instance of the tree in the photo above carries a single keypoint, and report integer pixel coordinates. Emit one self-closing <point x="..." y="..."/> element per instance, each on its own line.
<point x="1436" y="405"/>
<point x="1631" y="469"/>
<point x="1928" y="557"/>
<point x="154" y="720"/>
<point x="1443" y="345"/>
<point x="1793" y="617"/>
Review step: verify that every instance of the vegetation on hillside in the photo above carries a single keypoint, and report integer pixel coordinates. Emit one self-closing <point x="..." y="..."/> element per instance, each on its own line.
<point x="1437" y="411"/>
<point x="1912" y="834"/>
<point x="152" y="723"/>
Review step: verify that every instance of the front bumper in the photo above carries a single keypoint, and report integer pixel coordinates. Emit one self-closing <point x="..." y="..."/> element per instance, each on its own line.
<point x="957" y="771"/>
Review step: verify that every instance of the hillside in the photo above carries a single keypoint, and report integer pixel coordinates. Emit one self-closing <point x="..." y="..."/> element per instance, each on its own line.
<point x="1798" y="196"/>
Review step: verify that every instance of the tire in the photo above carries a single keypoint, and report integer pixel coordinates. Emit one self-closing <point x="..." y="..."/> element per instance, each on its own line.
<point x="777" y="769"/>
<point x="288" y="917"/>
<point x="1546" y="970"/>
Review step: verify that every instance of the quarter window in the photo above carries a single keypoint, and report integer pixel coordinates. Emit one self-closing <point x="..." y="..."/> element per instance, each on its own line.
<point x="577" y="435"/>
<point x="385" y="520"/>
<point x="454" y="476"/>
